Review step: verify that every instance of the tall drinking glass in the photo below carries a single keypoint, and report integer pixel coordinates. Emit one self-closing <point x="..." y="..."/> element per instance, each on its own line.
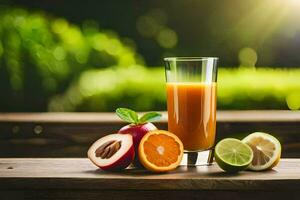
<point x="191" y="101"/>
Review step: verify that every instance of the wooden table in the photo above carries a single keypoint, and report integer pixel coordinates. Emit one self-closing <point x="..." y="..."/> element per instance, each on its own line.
<point x="71" y="134"/>
<point x="77" y="178"/>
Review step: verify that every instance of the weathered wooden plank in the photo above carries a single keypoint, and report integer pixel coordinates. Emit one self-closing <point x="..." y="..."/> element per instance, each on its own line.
<point x="233" y="116"/>
<point x="70" y="134"/>
<point x="81" y="174"/>
<point x="146" y="195"/>
<point x="78" y="179"/>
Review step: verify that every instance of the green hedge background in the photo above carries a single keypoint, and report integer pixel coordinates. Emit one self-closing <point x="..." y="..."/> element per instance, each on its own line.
<point x="49" y="64"/>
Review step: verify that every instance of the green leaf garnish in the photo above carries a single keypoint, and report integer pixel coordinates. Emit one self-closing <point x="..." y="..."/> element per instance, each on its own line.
<point x="131" y="116"/>
<point x="150" y="117"/>
<point x="127" y="115"/>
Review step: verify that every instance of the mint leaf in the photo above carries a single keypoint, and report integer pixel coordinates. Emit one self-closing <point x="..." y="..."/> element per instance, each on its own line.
<point x="127" y="115"/>
<point x="150" y="117"/>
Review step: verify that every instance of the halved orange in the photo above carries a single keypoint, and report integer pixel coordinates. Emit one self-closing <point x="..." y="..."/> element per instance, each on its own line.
<point x="160" y="151"/>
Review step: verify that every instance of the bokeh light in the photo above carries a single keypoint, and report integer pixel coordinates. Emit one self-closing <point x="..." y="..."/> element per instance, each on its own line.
<point x="247" y="57"/>
<point x="154" y="25"/>
<point x="147" y="26"/>
<point x="167" y="38"/>
<point x="293" y="101"/>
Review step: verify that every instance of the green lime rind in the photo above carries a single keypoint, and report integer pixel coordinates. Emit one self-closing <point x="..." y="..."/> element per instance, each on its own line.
<point x="232" y="155"/>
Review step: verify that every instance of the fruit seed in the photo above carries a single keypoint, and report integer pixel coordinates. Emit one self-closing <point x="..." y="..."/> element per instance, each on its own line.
<point x="108" y="149"/>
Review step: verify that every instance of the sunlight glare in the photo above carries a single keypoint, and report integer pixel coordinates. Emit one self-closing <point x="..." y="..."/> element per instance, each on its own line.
<point x="294" y="3"/>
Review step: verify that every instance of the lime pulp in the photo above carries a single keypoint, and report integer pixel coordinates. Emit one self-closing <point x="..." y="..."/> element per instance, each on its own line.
<point x="232" y="155"/>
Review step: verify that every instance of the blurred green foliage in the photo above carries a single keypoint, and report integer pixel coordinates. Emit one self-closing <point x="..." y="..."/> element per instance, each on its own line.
<point x="46" y="63"/>
<point x="144" y="89"/>
<point x="259" y="88"/>
<point x="41" y="56"/>
<point x="105" y="90"/>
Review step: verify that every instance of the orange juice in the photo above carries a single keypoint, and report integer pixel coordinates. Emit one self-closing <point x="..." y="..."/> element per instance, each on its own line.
<point x="192" y="114"/>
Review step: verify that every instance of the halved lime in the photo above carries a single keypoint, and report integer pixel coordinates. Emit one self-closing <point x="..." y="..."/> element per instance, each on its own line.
<point x="232" y="155"/>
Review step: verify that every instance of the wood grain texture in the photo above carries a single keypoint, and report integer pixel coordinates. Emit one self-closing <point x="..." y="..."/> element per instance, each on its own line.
<point x="81" y="174"/>
<point x="222" y="116"/>
<point x="147" y="195"/>
<point x="70" y="134"/>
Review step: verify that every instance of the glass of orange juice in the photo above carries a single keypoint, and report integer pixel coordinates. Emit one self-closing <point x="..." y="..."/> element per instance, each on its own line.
<point x="192" y="100"/>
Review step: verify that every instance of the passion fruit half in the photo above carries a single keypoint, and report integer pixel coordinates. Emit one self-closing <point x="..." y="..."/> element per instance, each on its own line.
<point x="112" y="152"/>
